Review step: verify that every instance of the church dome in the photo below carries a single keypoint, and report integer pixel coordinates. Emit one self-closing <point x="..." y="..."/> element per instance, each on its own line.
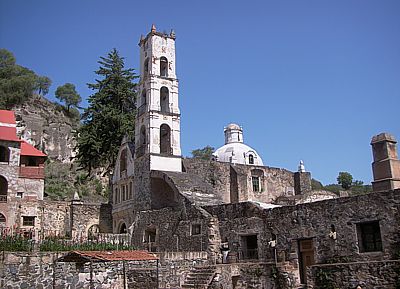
<point x="234" y="150"/>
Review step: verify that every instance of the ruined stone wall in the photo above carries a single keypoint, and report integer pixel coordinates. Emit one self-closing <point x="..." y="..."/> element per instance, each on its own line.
<point x="314" y="221"/>
<point x="28" y="270"/>
<point x="243" y="276"/>
<point x="83" y="216"/>
<point x="367" y="275"/>
<point x="174" y="229"/>
<point x="175" y="266"/>
<point x="233" y="182"/>
<point x="274" y="183"/>
<point x="56" y="218"/>
<point x="217" y="174"/>
<point x="141" y="185"/>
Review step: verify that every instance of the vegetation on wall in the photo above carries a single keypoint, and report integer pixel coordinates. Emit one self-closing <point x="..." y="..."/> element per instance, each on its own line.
<point x="63" y="180"/>
<point x="203" y="153"/>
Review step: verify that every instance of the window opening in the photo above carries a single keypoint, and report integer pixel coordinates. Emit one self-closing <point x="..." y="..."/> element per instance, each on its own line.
<point x="165" y="140"/>
<point x="256" y="183"/>
<point x="4" y="154"/>
<point x="196" y="229"/>
<point x="163" y="67"/>
<point x="146" y="67"/>
<point x="164" y="99"/>
<point x="369" y="236"/>
<point x="251" y="159"/>
<point x="28" y="221"/>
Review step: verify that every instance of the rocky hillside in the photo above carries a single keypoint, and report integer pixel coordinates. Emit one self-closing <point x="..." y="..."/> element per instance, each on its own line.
<point x="47" y="126"/>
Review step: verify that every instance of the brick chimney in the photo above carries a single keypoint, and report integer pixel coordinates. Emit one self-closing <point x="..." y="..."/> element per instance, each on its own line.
<point x="386" y="165"/>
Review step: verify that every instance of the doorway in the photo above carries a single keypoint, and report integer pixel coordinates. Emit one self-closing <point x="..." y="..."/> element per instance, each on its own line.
<point x="306" y="257"/>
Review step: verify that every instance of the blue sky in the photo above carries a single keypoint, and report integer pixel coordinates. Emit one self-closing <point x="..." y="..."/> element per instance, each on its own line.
<point x="307" y="79"/>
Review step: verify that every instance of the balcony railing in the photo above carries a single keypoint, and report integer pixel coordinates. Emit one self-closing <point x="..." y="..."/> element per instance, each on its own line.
<point x="31" y="172"/>
<point x="3" y="198"/>
<point x="248" y="254"/>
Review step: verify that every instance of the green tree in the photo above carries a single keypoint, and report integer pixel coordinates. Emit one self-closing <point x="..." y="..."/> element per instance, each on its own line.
<point x="43" y="84"/>
<point x="204" y="153"/>
<point x="345" y="179"/>
<point x="110" y="114"/>
<point x="17" y="83"/>
<point x="67" y="93"/>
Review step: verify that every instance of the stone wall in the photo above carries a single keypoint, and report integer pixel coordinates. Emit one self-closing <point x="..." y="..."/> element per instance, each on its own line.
<point x="368" y="275"/>
<point x="313" y="221"/>
<point x="217" y="174"/>
<point x="175" y="266"/>
<point x="233" y="182"/>
<point x="20" y="270"/>
<point x="243" y="276"/>
<point x="173" y="229"/>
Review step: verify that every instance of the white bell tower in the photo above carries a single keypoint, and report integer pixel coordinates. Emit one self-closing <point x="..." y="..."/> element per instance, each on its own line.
<point x="157" y="128"/>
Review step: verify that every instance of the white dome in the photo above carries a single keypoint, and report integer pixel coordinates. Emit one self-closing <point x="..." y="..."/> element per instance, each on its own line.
<point x="238" y="153"/>
<point x="234" y="150"/>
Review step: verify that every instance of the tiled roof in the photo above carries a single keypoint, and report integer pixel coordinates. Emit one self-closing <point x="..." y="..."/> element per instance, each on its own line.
<point x="29" y="150"/>
<point x="105" y="256"/>
<point x="8" y="133"/>
<point x="7" y="116"/>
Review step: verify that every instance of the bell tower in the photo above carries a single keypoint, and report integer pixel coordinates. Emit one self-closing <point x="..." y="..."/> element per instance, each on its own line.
<point x="157" y="128"/>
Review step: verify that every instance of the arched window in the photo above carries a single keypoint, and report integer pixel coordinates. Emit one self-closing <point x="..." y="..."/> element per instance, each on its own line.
<point x="3" y="190"/>
<point x="165" y="139"/>
<point x="144" y="98"/>
<point x="123" y="161"/>
<point x="4" y="154"/>
<point x="2" y="219"/>
<point x="146" y="67"/>
<point x="251" y="159"/>
<point x="164" y="99"/>
<point x="142" y="138"/>
<point x="122" y="229"/>
<point x="93" y="231"/>
<point x="163" y="67"/>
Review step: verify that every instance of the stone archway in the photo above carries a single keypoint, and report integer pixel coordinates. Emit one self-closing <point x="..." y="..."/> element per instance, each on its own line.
<point x="3" y="189"/>
<point x="122" y="228"/>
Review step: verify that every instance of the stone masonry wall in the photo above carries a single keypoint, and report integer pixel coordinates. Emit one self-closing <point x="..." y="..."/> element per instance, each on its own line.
<point x="233" y="183"/>
<point x="367" y="275"/>
<point x="313" y="221"/>
<point x="173" y="228"/>
<point x="217" y="174"/>
<point x="28" y="270"/>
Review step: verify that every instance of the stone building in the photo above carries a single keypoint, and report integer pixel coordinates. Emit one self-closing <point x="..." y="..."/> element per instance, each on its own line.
<point x="230" y="222"/>
<point x="23" y="208"/>
<point x="233" y="208"/>
<point x="21" y="178"/>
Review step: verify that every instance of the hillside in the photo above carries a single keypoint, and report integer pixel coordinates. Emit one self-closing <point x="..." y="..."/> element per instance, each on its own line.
<point x="47" y="126"/>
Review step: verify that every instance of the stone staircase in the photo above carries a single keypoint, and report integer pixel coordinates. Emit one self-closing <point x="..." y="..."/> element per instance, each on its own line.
<point x="199" y="277"/>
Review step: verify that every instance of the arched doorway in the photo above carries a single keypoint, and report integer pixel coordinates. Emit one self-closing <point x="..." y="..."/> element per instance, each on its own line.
<point x="93" y="231"/>
<point x="122" y="229"/>
<point x="3" y="189"/>
<point x="2" y="220"/>
<point x="165" y="139"/>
